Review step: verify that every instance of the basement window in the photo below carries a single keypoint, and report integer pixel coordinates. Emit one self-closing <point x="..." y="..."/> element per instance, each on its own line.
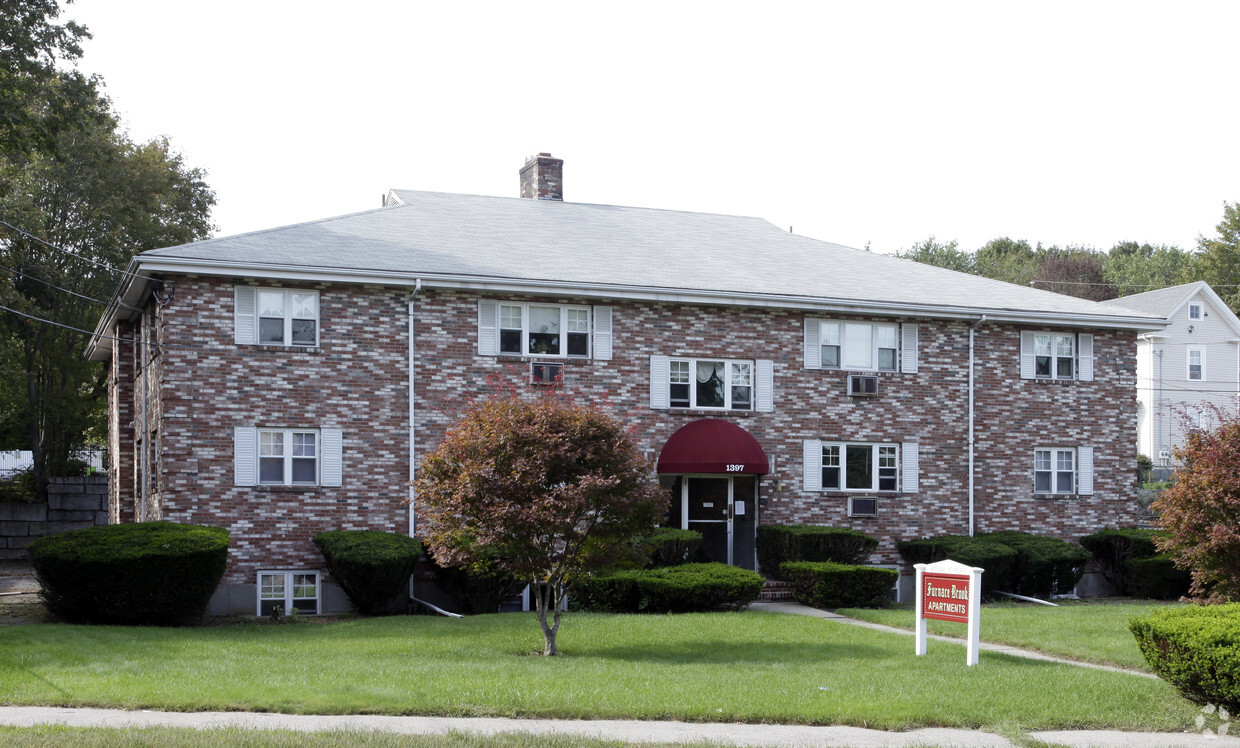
<point x="289" y="590"/>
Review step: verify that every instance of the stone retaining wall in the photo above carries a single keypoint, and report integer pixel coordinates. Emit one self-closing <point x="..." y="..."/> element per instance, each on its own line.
<point x="73" y="503"/>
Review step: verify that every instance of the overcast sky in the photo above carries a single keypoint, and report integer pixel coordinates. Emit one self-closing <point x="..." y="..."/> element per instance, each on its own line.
<point x="859" y="123"/>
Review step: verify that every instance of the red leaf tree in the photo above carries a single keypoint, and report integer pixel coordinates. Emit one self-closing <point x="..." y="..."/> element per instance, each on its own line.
<point x="540" y="487"/>
<point x="1201" y="510"/>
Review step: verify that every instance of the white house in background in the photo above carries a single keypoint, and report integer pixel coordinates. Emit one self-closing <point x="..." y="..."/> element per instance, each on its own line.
<point x="1193" y="363"/>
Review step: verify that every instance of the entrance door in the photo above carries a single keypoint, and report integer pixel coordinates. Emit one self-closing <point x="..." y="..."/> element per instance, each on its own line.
<point x="724" y="510"/>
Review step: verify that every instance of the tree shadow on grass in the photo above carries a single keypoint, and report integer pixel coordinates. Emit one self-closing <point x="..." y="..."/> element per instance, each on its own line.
<point x="706" y="652"/>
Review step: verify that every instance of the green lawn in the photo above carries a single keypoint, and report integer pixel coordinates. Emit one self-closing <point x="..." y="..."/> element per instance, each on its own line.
<point x="752" y="667"/>
<point x="1086" y="630"/>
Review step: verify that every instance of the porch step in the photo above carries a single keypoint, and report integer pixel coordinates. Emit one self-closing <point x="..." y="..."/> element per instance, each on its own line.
<point x="775" y="591"/>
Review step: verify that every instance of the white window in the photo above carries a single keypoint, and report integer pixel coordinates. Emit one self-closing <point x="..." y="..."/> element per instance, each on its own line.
<point x="1062" y="356"/>
<point x="544" y="330"/>
<point x="1063" y="470"/>
<point x="276" y="316"/>
<point x="1194" y="311"/>
<point x="287" y="457"/>
<point x="710" y="384"/>
<point x="1196" y="363"/>
<point x="858" y="346"/>
<point x="289" y="590"/>
<point x="859" y="467"/>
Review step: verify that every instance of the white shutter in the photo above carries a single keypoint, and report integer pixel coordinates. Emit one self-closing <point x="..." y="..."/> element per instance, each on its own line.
<point x="1028" y="360"/>
<point x="332" y="470"/>
<point x="811" y="467"/>
<point x="813" y="345"/>
<point x="910" y="464"/>
<point x="764" y="383"/>
<point x="1085" y="357"/>
<point x="660" y="387"/>
<point x="1085" y="470"/>
<point x="245" y="456"/>
<point x="908" y="349"/>
<point x="245" y="316"/>
<point x="602" y="333"/>
<point x="488" y="323"/>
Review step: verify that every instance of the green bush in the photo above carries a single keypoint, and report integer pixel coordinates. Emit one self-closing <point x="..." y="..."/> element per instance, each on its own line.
<point x="157" y="573"/>
<point x="371" y="567"/>
<point x="686" y="588"/>
<point x="994" y="558"/>
<point x="1157" y="578"/>
<point x="1196" y="649"/>
<point x="1113" y="549"/>
<point x="779" y="544"/>
<point x="669" y="546"/>
<point x="825" y="584"/>
<point x="1044" y="566"/>
<point x="474" y="592"/>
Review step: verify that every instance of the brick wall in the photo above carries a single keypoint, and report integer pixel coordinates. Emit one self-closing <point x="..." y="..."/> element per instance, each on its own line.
<point x="73" y="503"/>
<point x="358" y="381"/>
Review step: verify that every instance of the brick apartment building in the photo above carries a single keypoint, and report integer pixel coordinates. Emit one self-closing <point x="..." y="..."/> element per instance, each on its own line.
<point x="284" y="382"/>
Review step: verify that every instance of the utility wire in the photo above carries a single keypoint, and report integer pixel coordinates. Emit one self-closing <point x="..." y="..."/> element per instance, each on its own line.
<point x="70" y="253"/>
<point x="22" y="274"/>
<point x="1128" y="285"/>
<point x="102" y="337"/>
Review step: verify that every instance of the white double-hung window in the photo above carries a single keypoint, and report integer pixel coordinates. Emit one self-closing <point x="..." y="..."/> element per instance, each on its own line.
<point x="1062" y="356"/>
<point x="1063" y="470"/>
<point x="1196" y="357"/>
<point x="711" y="384"/>
<point x="276" y="316"/>
<point x="860" y="346"/>
<point x="289" y="591"/>
<point x="287" y="456"/>
<point x="861" y="466"/>
<point x="514" y="328"/>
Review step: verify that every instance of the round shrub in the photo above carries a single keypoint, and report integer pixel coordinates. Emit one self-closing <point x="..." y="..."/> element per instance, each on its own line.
<point x="1044" y="566"/>
<point x="777" y="544"/>
<point x="158" y="573"/>
<point x="1157" y="577"/>
<point x="686" y="588"/>
<point x="994" y="558"/>
<point x="669" y="546"/>
<point x="1196" y="649"/>
<point x="831" y="585"/>
<point x="371" y="567"/>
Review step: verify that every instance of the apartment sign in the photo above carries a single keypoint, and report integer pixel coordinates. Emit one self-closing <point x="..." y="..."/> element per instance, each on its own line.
<point x="950" y="591"/>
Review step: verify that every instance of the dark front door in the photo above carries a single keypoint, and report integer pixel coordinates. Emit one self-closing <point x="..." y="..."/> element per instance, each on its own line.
<point x="724" y="510"/>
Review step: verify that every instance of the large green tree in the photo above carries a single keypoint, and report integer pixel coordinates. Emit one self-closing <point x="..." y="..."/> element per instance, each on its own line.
<point x="540" y="487"/>
<point x="86" y="204"/>
<point x="1217" y="260"/>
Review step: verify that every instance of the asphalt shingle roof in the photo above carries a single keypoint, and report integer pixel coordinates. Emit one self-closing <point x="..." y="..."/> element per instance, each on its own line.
<point x="1162" y="302"/>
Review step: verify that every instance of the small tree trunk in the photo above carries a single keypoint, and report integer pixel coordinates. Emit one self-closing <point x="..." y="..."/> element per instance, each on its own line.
<point x="547" y="596"/>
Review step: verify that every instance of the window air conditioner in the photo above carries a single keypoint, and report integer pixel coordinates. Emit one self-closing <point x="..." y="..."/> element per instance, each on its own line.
<point x="860" y="385"/>
<point x="546" y="373"/>
<point x="862" y="507"/>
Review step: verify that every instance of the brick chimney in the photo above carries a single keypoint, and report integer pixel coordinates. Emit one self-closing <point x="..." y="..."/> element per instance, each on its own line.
<point x="542" y="177"/>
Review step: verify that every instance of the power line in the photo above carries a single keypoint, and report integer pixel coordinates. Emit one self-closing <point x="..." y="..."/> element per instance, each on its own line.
<point x="1127" y="285"/>
<point x="23" y="274"/>
<point x="102" y="337"/>
<point x="70" y="253"/>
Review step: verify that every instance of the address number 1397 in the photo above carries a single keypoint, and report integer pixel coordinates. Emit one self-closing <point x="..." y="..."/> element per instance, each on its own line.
<point x="735" y="468"/>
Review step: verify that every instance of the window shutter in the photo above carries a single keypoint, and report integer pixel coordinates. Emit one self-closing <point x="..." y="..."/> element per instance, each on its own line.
<point x="245" y="456"/>
<point x="908" y="349"/>
<point x="245" y="316"/>
<point x="602" y="333"/>
<point x="1085" y="355"/>
<point x="1028" y="361"/>
<point x="811" y="469"/>
<point x="909" y="466"/>
<point x="488" y="323"/>
<point x="332" y="470"/>
<point x="1085" y="470"/>
<point x="813" y="345"/>
<point x="660" y="387"/>
<point x="764" y="383"/>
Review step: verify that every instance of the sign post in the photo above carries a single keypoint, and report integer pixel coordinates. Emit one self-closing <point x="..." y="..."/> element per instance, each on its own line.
<point x="950" y="591"/>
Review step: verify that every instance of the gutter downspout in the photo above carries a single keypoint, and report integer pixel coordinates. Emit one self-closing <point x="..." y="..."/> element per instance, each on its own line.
<point x="412" y="409"/>
<point x="972" y="386"/>
<point x="144" y="433"/>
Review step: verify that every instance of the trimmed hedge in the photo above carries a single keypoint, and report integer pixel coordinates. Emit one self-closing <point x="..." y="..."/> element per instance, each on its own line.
<point x="780" y="544"/>
<point x="686" y="588"/>
<point x="474" y="592"/>
<point x="1012" y="561"/>
<point x="1196" y="649"/>
<point x="148" y="573"/>
<point x="1117" y="553"/>
<point x="1157" y="577"/>
<point x="371" y="567"/>
<point x="669" y="546"/>
<point x="994" y="558"/>
<point x="826" y="584"/>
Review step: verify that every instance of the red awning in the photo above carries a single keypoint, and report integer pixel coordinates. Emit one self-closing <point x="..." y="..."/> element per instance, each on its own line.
<point x="713" y="446"/>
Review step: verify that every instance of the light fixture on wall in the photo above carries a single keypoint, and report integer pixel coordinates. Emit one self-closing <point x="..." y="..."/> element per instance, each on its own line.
<point x="1190" y="328"/>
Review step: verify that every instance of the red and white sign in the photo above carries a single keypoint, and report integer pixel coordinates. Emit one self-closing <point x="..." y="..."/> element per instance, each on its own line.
<point x="945" y="597"/>
<point x="950" y="591"/>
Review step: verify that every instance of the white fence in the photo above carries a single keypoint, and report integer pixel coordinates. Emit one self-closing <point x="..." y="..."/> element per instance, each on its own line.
<point x="15" y="461"/>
